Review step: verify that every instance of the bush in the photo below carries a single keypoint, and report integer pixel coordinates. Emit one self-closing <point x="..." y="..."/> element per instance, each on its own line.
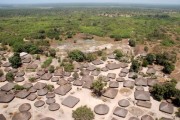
<point x="51" y="69"/>
<point x="32" y="79"/>
<point x="83" y="113"/>
<point x="98" y="86"/>
<point x="168" y="68"/>
<point x="68" y="67"/>
<point x="135" y="66"/>
<point x="52" y="52"/>
<point x="146" y="48"/>
<point x="10" y="77"/>
<point x="47" y="63"/>
<point x="77" y="55"/>
<point x="91" y="57"/>
<point x="15" y="60"/>
<point x="132" y="43"/>
<point x="104" y="58"/>
<point x="145" y="63"/>
<point x="118" y="54"/>
<point x="1" y="73"/>
<point x="116" y="37"/>
<point x="18" y="87"/>
<point x="150" y="58"/>
<point x="50" y="87"/>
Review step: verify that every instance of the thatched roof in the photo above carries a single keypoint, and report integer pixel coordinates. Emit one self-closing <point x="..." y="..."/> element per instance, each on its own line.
<point x="151" y="71"/>
<point x="22" y="116"/>
<point x="14" y="71"/>
<point x="67" y="74"/>
<point x="87" y="84"/>
<point x="87" y="78"/>
<point x="91" y="68"/>
<point x="62" y="90"/>
<point x="2" y="79"/>
<point x="46" y="76"/>
<point x="97" y="62"/>
<point x="7" y="69"/>
<point x="54" y="79"/>
<point x="110" y="93"/>
<point x="163" y="118"/>
<point x="19" y="79"/>
<point x="78" y="82"/>
<point x="26" y="60"/>
<point x="120" y="112"/>
<point x="120" y="79"/>
<point x="166" y="107"/>
<point x="32" y="90"/>
<point x="128" y="83"/>
<point x="125" y="70"/>
<point x="141" y="82"/>
<point x="8" y="86"/>
<point x="32" y="66"/>
<point x="62" y="82"/>
<point x="39" y="103"/>
<point x="112" y="56"/>
<point x="134" y="118"/>
<point x="140" y="88"/>
<point x="113" y="84"/>
<point x="27" y="85"/>
<point x="47" y="118"/>
<point x="105" y="78"/>
<point x="54" y="107"/>
<point x="50" y="95"/>
<point x="113" y="66"/>
<point x="24" y="107"/>
<point x="70" y="79"/>
<point x="104" y="69"/>
<point x="101" y="109"/>
<point x="152" y="82"/>
<point x="2" y="117"/>
<point x="20" y="74"/>
<point x="42" y="92"/>
<point x="122" y="74"/>
<point x="123" y="103"/>
<point x="142" y="95"/>
<point x="111" y="75"/>
<point x="95" y="73"/>
<point x="59" y="72"/>
<point x="85" y="72"/>
<point x="132" y="74"/>
<point x="32" y="97"/>
<point x="70" y="101"/>
<point x="123" y="65"/>
<point x="144" y="104"/>
<point x="50" y="101"/>
<point x="6" y="98"/>
<point x="85" y="65"/>
<point x="7" y="64"/>
<point x="146" y="117"/>
<point x="40" y="72"/>
<point x="77" y="65"/>
<point x="39" y="85"/>
<point x="22" y="94"/>
<point x="114" y="119"/>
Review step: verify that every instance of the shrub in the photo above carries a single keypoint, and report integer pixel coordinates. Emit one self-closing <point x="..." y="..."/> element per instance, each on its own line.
<point x="47" y="63"/>
<point x="52" y="52"/>
<point x="118" y="54"/>
<point x="104" y="58"/>
<point x="145" y="63"/>
<point x="32" y="79"/>
<point x="10" y="77"/>
<point x="150" y="58"/>
<point x="18" y="87"/>
<point x="15" y="60"/>
<point x="168" y="68"/>
<point x="50" y="87"/>
<point x="91" y="57"/>
<point x="68" y="67"/>
<point x="116" y="37"/>
<point x="98" y="86"/>
<point x="1" y="73"/>
<point x="83" y="113"/>
<point x="51" y="69"/>
<point x="135" y="66"/>
<point x="132" y="43"/>
<point x="77" y="55"/>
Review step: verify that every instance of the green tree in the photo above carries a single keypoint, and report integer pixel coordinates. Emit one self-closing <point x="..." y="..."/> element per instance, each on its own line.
<point x="118" y="54"/>
<point x="15" y="60"/>
<point x="132" y="43"/>
<point x="10" y="77"/>
<point x="77" y="55"/>
<point x="158" y="92"/>
<point x="52" y="52"/>
<point x="83" y="113"/>
<point x="51" y="69"/>
<point x="150" y="58"/>
<point x="135" y="66"/>
<point x="168" y="68"/>
<point x="98" y="86"/>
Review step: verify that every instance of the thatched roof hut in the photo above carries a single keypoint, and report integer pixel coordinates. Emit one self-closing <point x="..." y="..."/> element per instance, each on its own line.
<point x="7" y="64"/>
<point x="122" y="74"/>
<point x="40" y="72"/>
<point x="54" y="79"/>
<point x="120" y="79"/>
<point x="123" y="65"/>
<point x="110" y="93"/>
<point x="111" y="75"/>
<point x="70" y="79"/>
<point x="8" y="86"/>
<point x="46" y="76"/>
<point x="91" y="68"/>
<point x="144" y="104"/>
<point x="134" y="118"/>
<point x="59" y="72"/>
<point x="62" y="90"/>
<point x="32" y="66"/>
<point x="78" y="83"/>
<point x="22" y="116"/>
<point x="50" y="101"/>
<point x="62" y="82"/>
<point x="97" y="62"/>
<point x="85" y="72"/>
<point x="112" y="56"/>
<point x="141" y="82"/>
<point x="113" y="84"/>
<point x="32" y="90"/>
<point x="95" y="73"/>
<point x="70" y="101"/>
<point x="105" y="78"/>
<point x="22" y="94"/>
<point x="142" y="95"/>
<point x="24" y="107"/>
<point x="163" y="118"/>
<point x="87" y="78"/>
<point x="39" y="85"/>
<point x="152" y="82"/>
<point x="6" y="98"/>
<point x="166" y="107"/>
<point x="120" y="112"/>
<point x="20" y="74"/>
<point x="26" y="60"/>
<point x="140" y="88"/>
<point x="132" y="74"/>
<point x="32" y="97"/>
<point x="128" y="83"/>
<point x="54" y="107"/>
<point x="104" y="69"/>
<point x="151" y="71"/>
<point x="42" y="92"/>
<point x="19" y="79"/>
<point x="39" y="103"/>
<point x="124" y="103"/>
<point x="85" y="65"/>
<point x="2" y="117"/>
<point x="47" y="118"/>
<point x="27" y="85"/>
<point x="146" y="117"/>
<point x="87" y="84"/>
<point x="2" y="79"/>
<point x="125" y="70"/>
<point x="101" y="109"/>
<point x="50" y="95"/>
<point x="113" y="66"/>
<point x="67" y="74"/>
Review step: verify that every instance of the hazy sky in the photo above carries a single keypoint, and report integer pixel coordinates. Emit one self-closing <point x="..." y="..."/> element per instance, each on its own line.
<point x="101" y="1"/>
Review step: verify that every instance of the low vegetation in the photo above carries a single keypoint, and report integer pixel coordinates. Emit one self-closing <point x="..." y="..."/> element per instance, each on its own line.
<point x="10" y="77"/>
<point x="47" y="63"/>
<point x="15" y="60"/>
<point x="98" y="86"/>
